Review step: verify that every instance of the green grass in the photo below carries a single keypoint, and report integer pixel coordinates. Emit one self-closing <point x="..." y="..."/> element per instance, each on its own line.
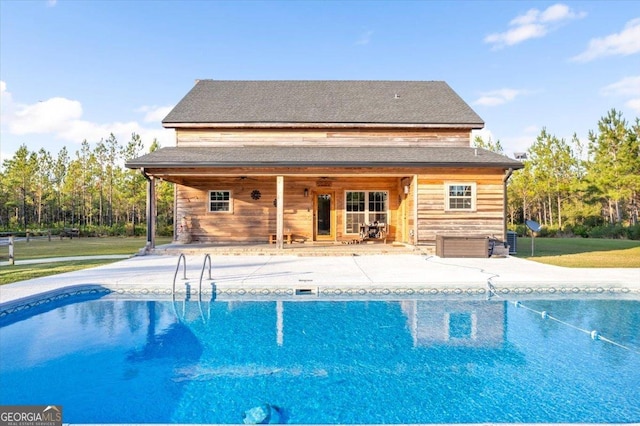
<point x="42" y="248"/>
<point x="11" y="274"/>
<point x="582" y="252"/>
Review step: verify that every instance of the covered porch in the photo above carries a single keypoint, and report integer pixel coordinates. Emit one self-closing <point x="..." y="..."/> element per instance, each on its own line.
<point x="286" y="210"/>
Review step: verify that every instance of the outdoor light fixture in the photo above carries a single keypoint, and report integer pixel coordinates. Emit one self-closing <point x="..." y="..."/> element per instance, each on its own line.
<point x="405" y="182"/>
<point x="306" y="192"/>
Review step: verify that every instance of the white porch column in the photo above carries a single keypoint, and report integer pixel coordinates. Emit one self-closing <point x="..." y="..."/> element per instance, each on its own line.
<point x="279" y="322"/>
<point x="280" y="212"/>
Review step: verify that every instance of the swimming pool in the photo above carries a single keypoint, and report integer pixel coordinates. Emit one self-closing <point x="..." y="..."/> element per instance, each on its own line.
<point x="419" y="360"/>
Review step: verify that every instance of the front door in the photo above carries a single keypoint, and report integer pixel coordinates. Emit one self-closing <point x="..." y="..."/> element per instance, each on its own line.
<point x="324" y="216"/>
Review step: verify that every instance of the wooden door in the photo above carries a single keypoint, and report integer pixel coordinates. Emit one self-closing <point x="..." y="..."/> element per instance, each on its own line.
<point x="324" y="216"/>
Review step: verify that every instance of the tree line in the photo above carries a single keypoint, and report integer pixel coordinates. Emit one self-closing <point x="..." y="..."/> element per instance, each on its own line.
<point x="90" y="190"/>
<point x="575" y="188"/>
<point x="571" y="187"/>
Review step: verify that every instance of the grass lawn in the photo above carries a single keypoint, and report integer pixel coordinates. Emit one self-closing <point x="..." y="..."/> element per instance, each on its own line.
<point x="42" y="248"/>
<point x="11" y="274"/>
<point x="582" y="252"/>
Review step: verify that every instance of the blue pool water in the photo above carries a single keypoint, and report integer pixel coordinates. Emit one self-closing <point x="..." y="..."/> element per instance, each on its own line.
<point x="408" y="361"/>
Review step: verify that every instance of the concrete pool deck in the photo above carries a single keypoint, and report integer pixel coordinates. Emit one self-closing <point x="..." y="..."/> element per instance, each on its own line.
<point x="357" y="275"/>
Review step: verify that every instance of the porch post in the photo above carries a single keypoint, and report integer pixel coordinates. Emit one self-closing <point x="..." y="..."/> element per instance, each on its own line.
<point x="415" y="210"/>
<point x="279" y="212"/>
<point x="151" y="210"/>
<point x="151" y="239"/>
<point x="507" y="175"/>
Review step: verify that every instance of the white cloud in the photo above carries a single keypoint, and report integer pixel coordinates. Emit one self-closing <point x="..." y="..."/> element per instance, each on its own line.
<point x="516" y="35"/>
<point x="625" y="87"/>
<point x="364" y="38"/>
<point x="154" y="114"/>
<point x="533" y="24"/>
<point x="484" y="133"/>
<point x="628" y="87"/>
<point x="61" y="119"/>
<point x="624" y="43"/>
<point x="560" y="12"/>
<point x="52" y="3"/>
<point x="50" y="116"/>
<point x="498" y="97"/>
<point x="634" y="104"/>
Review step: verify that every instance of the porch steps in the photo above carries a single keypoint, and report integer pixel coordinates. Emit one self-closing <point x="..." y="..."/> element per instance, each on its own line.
<point x="291" y="250"/>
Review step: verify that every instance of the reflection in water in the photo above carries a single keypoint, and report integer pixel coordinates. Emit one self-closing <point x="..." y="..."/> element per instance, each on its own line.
<point x="408" y="361"/>
<point x="454" y="323"/>
<point x="176" y="341"/>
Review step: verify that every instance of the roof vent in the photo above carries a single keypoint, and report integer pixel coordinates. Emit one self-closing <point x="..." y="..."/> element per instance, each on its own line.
<point x="396" y="96"/>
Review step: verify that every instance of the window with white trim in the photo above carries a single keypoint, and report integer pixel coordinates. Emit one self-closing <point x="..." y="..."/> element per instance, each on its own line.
<point x="460" y="196"/>
<point x="365" y="207"/>
<point x="220" y="202"/>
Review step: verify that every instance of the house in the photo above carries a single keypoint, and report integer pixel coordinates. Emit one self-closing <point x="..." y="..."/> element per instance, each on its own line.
<point x="336" y="161"/>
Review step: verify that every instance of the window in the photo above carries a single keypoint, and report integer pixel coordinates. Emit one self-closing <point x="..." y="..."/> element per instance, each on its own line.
<point x="460" y="196"/>
<point x="462" y="325"/>
<point x="220" y="202"/>
<point x="365" y="207"/>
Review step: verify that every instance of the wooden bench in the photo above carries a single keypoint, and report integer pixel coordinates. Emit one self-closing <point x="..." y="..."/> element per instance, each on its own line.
<point x="273" y="237"/>
<point x="70" y="232"/>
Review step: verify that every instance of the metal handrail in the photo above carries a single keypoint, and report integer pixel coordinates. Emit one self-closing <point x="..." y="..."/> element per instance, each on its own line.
<point x="184" y="277"/>
<point x="204" y="264"/>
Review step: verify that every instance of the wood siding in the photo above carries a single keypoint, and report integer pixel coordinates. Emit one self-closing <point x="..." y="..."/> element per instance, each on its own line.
<point x="322" y="137"/>
<point x="416" y="216"/>
<point x="486" y="220"/>
<point x="411" y="220"/>
<point x="253" y="220"/>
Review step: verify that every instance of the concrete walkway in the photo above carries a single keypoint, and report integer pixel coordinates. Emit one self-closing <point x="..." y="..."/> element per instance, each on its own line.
<point x="367" y="275"/>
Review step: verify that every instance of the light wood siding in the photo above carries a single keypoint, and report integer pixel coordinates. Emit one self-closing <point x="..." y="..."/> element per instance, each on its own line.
<point x="322" y="137"/>
<point x="253" y="220"/>
<point x="486" y="220"/>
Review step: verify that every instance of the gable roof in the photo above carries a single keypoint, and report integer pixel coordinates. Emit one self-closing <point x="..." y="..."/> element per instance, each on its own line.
<point x="270" y="103"/>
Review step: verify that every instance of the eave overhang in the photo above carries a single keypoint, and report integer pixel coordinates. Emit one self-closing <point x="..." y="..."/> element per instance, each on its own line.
<point x="327" y="157"/>
<point x="290" y="125"/>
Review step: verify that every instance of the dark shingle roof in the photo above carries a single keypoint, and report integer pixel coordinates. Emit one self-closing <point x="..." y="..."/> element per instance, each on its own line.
<point x="310" y="156"/>
<point x="426" y="103"/>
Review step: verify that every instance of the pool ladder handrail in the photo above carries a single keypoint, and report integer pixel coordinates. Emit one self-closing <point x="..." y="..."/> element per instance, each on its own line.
<point x="184" y="269"/>
<point x="204" y="265"/>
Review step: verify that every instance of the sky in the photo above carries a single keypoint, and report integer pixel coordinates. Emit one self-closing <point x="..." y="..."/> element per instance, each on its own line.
<point x="82" y="69"/>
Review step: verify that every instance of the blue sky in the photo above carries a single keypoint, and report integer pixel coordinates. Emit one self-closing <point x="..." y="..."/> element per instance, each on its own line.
<point x="76" y="70"/>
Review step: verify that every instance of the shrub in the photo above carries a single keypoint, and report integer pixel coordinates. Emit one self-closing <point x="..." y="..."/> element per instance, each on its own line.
<point x="580" y="231"/>
<point x="165" y="231"/>
<point x="633" y="232"/>
<point x="520" y="229"/>
<point x="608" y="231"/>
